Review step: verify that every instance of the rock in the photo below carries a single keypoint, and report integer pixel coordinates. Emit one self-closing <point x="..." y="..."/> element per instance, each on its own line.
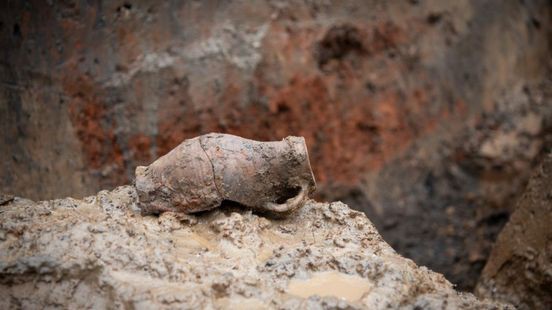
<point x="101" y="252"/>
<point x="519" y="269"/>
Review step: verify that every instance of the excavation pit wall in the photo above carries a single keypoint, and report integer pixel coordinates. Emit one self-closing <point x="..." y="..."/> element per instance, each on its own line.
<point x="414" y="112"/>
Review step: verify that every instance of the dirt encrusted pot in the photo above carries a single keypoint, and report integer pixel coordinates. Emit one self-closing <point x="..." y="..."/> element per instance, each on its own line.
<point x="202" y="172"/>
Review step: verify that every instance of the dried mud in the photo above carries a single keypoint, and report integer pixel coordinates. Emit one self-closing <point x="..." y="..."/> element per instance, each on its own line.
<point x="100" y="252"/>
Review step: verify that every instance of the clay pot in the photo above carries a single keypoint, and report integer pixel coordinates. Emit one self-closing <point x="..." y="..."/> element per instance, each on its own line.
<point x="202" y="172"/>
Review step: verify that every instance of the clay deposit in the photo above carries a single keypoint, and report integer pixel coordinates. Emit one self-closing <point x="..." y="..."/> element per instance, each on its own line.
<point x="101" y="252"/>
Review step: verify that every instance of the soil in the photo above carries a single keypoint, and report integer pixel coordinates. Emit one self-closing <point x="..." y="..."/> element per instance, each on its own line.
<point x="519" y="269"/>
<point x="100" y="252"/>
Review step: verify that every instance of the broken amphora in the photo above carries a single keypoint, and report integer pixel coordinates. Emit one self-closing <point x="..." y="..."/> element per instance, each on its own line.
<point x="202" y="172"/>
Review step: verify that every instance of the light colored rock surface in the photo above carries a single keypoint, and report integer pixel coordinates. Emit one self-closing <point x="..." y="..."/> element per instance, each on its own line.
<point x="101" y="252"/>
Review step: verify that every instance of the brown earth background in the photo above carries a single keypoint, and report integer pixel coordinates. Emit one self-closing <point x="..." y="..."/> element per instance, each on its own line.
<point x="426" y="115"/>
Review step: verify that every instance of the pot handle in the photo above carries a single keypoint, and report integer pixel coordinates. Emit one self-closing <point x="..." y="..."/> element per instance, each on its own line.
<point x="290" y="204"/>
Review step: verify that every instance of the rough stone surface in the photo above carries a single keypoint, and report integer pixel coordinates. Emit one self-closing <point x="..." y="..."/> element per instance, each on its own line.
<point x="519" y="269"/>
<point x="411" y="109"/>
<point x="100" y="252"/>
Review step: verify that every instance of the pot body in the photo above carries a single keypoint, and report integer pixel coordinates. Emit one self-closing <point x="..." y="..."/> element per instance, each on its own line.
<point x="202" y="172"/>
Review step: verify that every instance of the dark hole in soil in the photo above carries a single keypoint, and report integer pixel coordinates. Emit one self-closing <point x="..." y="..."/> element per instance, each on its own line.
<point x="536" y="23"/>
<point x="16" y="30"/>
<point x="433" y="18"/>
<point x="230" y="204"/>
<point x="227" y="207"/>
<point x="338" y="42"/>
<point x="496" y="219"/>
